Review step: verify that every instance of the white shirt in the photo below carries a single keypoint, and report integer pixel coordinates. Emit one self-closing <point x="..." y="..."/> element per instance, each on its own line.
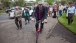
<point x="61" y="7"/>
<point x="64" y="6"/>
<point x="71" y="10"/>
<point x="51" y="9"/>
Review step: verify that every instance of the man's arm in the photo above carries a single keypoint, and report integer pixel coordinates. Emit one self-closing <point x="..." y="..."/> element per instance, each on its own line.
<point x="21" y="13"/>
<point x="14" y="14"/>
<point x="34" y="14"/>
<point x="45" y="16"/>
<point x="45" y="13"/>
<point x="67" y="13"/>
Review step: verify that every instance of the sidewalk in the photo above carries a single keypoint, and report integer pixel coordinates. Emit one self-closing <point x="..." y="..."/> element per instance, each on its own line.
<point x="51" y="33"/>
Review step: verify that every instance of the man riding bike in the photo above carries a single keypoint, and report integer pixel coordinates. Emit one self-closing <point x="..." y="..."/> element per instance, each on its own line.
<point x="39" y="14"/>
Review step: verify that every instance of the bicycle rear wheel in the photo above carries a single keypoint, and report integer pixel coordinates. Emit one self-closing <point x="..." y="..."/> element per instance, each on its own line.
<point x="37" y="36"/>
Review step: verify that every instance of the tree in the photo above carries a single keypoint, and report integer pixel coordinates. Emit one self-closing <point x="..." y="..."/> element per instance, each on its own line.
<point x="49" y="1"/>
<point x="5" y="3"/>
<point x="19" y="2"/>
<point x="63" y="2"/>
<point x="74" y="1"/>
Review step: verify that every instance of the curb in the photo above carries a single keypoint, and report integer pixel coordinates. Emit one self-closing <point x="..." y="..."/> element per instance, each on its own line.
<point x="50" y="30"/>
<point x="64" y="26"/>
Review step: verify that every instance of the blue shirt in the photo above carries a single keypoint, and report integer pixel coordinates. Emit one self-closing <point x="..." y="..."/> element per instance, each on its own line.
<point x="70" y="10"/>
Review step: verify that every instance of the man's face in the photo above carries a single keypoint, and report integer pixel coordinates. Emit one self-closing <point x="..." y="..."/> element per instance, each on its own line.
<point x="70" y="5"/>
<point x="40" y="5"/>
<point x="16" y="8"/>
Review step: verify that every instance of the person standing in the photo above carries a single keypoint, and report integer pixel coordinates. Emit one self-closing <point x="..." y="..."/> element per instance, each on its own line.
<point x="18" y="16"/>
<point x="64" y="9"/>
<point x="26" y="15"/>
<point x="50" y="10"/>
<point x="60" y="10"/>
<point x="55" y="9"/>
<point x="70" y="13"/>
<point x="40" y="14"/>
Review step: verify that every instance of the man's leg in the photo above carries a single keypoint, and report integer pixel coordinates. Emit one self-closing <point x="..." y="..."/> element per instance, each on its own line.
<point x="20" y="23"/>
<point x="69" y="19"/>
<point x="36" y="26"/>
<point x="61" y="12"/>
<point x="72" y="17"/>
<point x="42" y="26"/>
<point x="25" y="20"/>
<point x="28" y="19"/>
<point x="16" y="22"/>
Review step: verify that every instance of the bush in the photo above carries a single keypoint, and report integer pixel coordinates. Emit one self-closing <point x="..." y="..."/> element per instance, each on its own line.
<point x="2" y="11"/>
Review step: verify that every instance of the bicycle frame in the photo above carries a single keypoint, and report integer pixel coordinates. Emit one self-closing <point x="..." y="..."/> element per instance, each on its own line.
<point x="38" y="31"/>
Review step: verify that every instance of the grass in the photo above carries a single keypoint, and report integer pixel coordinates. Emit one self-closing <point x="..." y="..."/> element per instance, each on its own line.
<point x="64" y="21"/>
<point x="2" y="11"/>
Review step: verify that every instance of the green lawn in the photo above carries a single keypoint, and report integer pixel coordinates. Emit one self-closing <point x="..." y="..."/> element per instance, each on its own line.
<point x="64" y="21"/>
<point x="2" y="11"/>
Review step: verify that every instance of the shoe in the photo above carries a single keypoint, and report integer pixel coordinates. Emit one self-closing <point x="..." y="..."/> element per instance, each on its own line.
<point x="25" y="23"/>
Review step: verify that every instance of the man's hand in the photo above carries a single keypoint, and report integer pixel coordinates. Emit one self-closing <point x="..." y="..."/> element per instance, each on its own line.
<point x="33" y="19"/>
<point x="45" y="21"/>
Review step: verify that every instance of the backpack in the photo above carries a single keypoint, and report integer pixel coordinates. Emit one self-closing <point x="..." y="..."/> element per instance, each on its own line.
<point x="26" y="14"/>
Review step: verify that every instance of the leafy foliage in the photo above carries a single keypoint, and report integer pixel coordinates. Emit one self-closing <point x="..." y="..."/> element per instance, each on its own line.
<point x="49" y="1"/>
<point x="5" y="3"/>
<point x="19" y="2"/>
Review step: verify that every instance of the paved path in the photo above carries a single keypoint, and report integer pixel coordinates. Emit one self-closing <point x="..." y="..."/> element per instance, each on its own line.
<point x="4" y="16"/>
<point x="53" y="33"/>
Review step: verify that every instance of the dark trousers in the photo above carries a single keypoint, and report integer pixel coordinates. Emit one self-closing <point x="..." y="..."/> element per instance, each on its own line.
<point x="18" y="22"/>
<point x="54" y="16"/>
<point x="60" y="12"/>
<point x="70" y="18"/>
<point x="41" y="26"/>
<point x="27" y="18"/>
<point x="64" y="10"/>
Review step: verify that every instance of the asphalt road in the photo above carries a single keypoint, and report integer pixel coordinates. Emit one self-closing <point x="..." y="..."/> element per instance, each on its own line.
<point x="53" y="32"/>
<point x="4" y="17"/>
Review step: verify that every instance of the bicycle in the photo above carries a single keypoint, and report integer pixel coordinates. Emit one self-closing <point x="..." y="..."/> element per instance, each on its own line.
<point x="38" y="31"/>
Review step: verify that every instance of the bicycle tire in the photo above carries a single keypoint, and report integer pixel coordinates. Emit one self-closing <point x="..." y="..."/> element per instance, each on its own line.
<point x="37" y="36"/>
